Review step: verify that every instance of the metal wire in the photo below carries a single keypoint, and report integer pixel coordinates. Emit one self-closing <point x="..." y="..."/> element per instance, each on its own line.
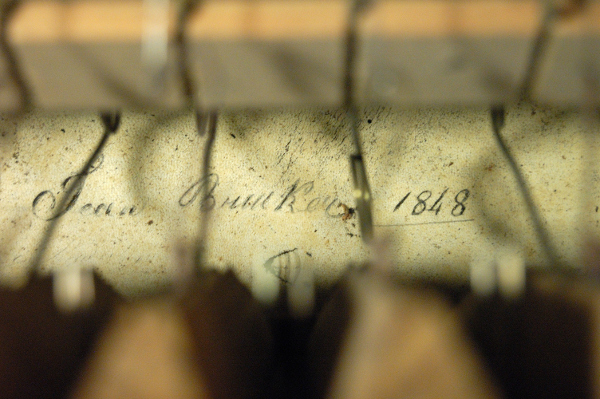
<point x="190" y="87"/>
<point x="206" y="122"/>
<point x="205" y="213"/>
<point x="111" y="124"/>
<point x="362" y="191"/>
<point x="497" y="116"/>
<point x="6" y="12"/>
<point x="349" y="71"/>
<point x="539" y="48"/>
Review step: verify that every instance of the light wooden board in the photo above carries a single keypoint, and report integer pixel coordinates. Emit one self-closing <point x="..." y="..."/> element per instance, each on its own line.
<point x="278" y="179"/>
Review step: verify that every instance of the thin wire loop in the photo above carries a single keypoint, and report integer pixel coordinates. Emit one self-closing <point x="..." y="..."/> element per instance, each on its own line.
<point x="362" y="191"/>
<point x="540" y="45"/>
<point x="206" y="164"/>
<point x="111" y="124"/>
<point x="497" y="116"/>
<point x="498" y="113"/>
<point x="190" y="87"/>
<point x="206" y="122"/>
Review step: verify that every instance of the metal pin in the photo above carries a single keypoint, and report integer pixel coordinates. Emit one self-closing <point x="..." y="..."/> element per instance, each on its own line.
<point x="73" y="289"/>
<point x="482" y="274"/>
<point x="511" y="274"/>
<point x="301" y="294"/>
<point x="265" y="286"/>
<point x="155" y="42"/>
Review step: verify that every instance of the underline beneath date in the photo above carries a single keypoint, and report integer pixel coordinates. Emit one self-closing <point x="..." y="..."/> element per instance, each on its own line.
<point x="424" y="223"/>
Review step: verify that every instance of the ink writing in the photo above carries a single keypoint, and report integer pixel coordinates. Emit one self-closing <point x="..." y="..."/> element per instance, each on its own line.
<point x="427" y="201"/>
<point x="44" y="204"/>
<point x="297" y="198"/>
<point x="285" y="265"/>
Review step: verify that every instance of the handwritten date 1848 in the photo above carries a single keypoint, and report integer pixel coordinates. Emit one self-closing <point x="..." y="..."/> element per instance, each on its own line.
<point x="427" y="201"/>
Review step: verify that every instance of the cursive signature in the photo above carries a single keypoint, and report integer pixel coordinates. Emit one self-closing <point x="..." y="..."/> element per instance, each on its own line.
<point x="299" y="197"/>
<point x="44" y="204"/>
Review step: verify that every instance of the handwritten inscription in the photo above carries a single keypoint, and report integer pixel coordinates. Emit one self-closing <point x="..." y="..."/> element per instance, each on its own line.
<point x="426" y="201"/>
<point x="44" y="203"/>
<point x="299" y="197"/>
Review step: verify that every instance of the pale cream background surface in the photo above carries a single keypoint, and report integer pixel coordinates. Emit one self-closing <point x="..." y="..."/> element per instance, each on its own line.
<point x="281" y="177"/>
